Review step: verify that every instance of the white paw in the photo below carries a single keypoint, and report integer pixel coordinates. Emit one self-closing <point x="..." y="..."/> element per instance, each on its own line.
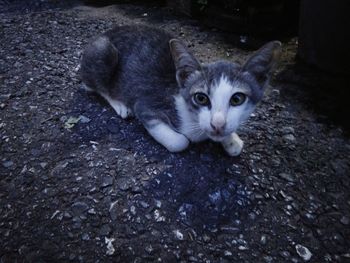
<point x="170" y="139"/>
<point x="178" y="145"/>
<point x="122" y="110"/>
<point x="233" y="145"/>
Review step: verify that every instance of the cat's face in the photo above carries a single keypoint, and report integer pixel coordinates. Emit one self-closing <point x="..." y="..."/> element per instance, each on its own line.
<point x="221" y="95"/>
<point x="219" y="101"/>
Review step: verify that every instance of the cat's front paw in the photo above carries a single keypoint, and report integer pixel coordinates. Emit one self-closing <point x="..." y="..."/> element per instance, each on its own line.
<point x="170" y="139"/>
<point x="177" y="145"/>
<point x="233" y="145"/>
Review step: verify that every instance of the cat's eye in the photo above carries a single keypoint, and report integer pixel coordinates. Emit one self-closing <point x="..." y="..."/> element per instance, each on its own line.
<point x="201" y="99"/>
<point x="237" y="99"/>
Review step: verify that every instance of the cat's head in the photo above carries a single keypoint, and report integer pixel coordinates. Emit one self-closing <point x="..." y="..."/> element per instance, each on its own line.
<point x="221" y="95"/>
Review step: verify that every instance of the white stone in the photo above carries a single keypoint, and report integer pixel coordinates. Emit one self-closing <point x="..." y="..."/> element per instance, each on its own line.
<point x="303" y="252"/>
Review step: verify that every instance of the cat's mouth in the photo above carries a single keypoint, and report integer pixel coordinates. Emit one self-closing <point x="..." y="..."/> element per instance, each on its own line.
<point x="216" y="137"/>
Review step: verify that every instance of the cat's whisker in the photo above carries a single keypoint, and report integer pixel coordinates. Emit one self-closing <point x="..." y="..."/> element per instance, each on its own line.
<point x="194" y="128"/>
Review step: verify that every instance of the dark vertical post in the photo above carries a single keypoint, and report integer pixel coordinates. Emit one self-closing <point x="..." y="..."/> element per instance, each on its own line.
<point x="324" y="35"/>
<point x="181" y="6"/>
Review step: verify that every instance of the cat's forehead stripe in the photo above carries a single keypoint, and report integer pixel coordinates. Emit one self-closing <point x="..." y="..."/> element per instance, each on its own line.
<point x="231" y="87"/>
<point x="222" y="91"/>
<point x="223" y="84"/>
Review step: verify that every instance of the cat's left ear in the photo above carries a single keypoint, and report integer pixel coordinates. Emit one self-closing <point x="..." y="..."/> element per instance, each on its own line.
<point x="261" y="63"/>
<point x="185" y="62"/>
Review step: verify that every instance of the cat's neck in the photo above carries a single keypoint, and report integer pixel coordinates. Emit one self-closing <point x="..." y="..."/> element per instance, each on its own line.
<point x="189" y="125"/>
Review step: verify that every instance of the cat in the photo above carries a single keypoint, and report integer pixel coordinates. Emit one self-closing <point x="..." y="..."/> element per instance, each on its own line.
<point x="144" y="72"/>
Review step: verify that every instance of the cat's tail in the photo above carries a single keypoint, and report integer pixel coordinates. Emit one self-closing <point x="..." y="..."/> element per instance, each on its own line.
<point x="98" y="64"/>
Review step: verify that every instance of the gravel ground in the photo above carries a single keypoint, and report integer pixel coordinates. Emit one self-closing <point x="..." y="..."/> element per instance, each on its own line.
<point x="78" y="184"/>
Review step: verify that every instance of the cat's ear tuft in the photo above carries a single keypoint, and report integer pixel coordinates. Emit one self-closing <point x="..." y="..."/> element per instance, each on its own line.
<point x="262" y="62"/>
<point x="185" y="62"/>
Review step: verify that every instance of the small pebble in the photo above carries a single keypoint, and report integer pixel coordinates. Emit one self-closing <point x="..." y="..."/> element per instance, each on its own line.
<point x="144" y="204"/>
<point x="79" y="207"/>
<point x="85" y="237"/>
<point x="289" y="138"/>
<point x="149" y="249"/>
<point x="7" y="164"/>
<point x="43" y="165"/>
<point x="288" y="130"/>
<point x="242" y="248"/>
<point x="84" y="119"/>
<point x="110" y="248"/>
<point x="107" y="181"/>
<point x="178" y="234"/>
<point x="227" y="253"/>
<point x="345" y="220"/>
<point x="303" y="252"/>
<point x="287" y="177"/>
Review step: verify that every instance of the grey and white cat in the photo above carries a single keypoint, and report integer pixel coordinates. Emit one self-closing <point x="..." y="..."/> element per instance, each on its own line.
<point x="146" y="73"/>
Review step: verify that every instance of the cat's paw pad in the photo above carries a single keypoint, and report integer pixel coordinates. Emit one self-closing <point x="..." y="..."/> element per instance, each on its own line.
<point x="233" y="145"/>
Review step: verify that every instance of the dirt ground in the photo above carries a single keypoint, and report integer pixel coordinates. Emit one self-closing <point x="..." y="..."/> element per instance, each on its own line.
<point x="79" y="184"/>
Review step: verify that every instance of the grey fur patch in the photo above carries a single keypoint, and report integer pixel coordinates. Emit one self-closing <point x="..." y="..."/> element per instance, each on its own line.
<point x="99" y="64"/>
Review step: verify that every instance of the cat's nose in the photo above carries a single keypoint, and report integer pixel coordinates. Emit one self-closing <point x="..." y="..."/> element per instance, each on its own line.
<point x="218" y="122"/>
<point x="216" y="129"/>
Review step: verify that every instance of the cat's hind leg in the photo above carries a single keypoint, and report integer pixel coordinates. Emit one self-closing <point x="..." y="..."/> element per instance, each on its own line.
<point x="98" y="70"/>
<point x="98" y="65"/>
<point x="120" y="108"/>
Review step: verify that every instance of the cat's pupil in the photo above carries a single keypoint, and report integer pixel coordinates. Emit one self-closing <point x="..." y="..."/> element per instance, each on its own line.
<point x="237" y="99"/>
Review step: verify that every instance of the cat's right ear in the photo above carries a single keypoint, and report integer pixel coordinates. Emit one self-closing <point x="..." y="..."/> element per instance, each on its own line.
<point x="185" y="62"/>
<point x="263" y="61"/>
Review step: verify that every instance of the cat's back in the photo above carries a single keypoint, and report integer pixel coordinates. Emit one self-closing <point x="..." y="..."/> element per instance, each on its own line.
<point x="142" y="48"/>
